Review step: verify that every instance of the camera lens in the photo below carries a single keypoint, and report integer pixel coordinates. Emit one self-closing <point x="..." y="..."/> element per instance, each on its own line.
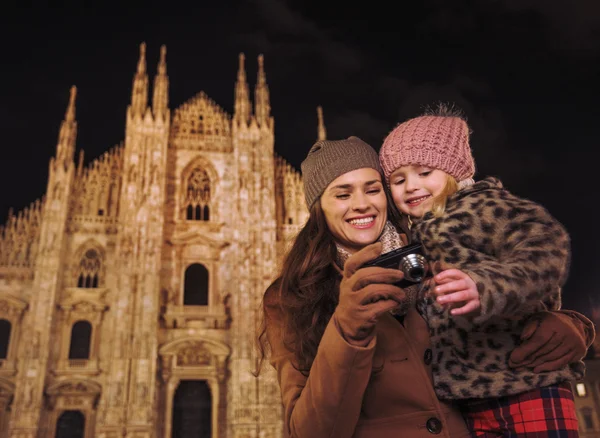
<point x="414" y="267"/>
<point x="417" y="273"/>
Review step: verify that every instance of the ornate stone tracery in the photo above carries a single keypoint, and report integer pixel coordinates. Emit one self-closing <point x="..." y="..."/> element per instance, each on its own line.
<point x="19" y="238"/>
<point x="73" y="395"/>
<point x="198" y="189"/>
<point x="201" y="123"/>
<point x="197" y="200"/>
<point x="88" y="266"/>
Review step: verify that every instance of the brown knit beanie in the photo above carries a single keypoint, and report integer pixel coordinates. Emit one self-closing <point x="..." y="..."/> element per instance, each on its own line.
<point x="439" y="142"/>
<point x="328" y="159"/>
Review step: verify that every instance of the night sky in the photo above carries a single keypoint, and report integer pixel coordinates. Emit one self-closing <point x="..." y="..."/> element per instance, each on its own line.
<point x="525" y="72"/>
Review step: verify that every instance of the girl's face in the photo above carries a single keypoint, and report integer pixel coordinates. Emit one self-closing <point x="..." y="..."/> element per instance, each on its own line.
<point x="414" y="187"/>
<point x="355" y="208"/>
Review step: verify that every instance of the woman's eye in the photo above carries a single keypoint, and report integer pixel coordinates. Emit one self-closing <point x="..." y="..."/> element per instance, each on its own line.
<point x="374" y="191"/>
<point x="342" y="196"/>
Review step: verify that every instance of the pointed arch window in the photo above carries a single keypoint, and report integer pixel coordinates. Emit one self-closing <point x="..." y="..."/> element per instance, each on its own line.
<point x="81" y="335"/>
<point x="196" y="285"/>
<point x="5" y="328"/>
<point x="197" y="196"/>
<point x="88" y="275"/>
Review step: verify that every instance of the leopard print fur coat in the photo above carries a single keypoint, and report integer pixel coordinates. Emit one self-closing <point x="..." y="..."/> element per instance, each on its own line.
<point x="518" y="255"/>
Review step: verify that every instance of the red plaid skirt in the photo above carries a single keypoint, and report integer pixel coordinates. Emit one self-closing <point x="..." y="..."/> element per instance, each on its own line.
<point x="547" y="412"/>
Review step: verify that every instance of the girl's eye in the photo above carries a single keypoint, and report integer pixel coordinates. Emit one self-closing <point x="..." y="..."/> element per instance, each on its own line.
<point x="425" y="173"/>
<point x="398" y="182"/>
<point x="342" y="196"/>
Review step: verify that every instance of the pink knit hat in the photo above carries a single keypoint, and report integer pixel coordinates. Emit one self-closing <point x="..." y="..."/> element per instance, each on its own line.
<point x="433" y="141"/>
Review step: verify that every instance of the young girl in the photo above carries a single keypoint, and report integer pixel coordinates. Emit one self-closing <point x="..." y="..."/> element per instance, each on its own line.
<point x="496" y="259"/>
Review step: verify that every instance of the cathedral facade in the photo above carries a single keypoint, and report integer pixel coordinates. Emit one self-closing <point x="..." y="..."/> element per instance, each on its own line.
<point x="129" y="292"/>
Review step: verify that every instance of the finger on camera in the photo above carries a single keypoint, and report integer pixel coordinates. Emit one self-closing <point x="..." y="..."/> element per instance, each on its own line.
<point x="466" y="309"/>
<point x="386" y="291"/>
<point x="374" y="275"/>
<point x="366" y="254"/>
<point x="383" y="306"/>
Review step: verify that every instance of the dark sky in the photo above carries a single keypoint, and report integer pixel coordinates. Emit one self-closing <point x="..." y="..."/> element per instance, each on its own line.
<point x="525" y="72"/>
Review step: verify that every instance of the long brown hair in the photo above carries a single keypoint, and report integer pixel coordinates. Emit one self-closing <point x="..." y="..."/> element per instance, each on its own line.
<point x="305" y="295"/>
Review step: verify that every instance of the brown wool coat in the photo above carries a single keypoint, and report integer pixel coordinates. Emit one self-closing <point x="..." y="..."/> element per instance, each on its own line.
<point x="383" y="390"/>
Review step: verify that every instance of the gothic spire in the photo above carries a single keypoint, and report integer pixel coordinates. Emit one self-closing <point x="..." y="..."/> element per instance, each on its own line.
<point x="70" y="113"/>
<point x="65" y="148"/>
<point x="139" y="93"/>
<point x="160" y="99"/>
<point x="321" y="131"/>
<point x="261" y="95"/>
<point x="242" y="99"/>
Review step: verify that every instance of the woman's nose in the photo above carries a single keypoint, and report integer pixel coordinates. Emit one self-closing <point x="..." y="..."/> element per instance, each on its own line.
<point x="360" y="201"/>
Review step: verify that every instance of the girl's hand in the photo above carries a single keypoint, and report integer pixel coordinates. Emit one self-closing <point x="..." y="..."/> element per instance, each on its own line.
<point x="453" y="286"/>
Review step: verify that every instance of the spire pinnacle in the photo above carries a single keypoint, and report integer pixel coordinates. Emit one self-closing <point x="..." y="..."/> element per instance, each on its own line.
<point x="141" y="67"/>
<point x="321" y="131"/>
<point x="262" y="79"/>
<point x="160" y="99"/>
<point x="241" y="69"/>
<point x="65" y="148"/>
<point x="242" y="95"/>
<point x="162" y="64"/>
<point x="70" y="113"/>
<point x="261" y="95"/>
<point x="139" y="93"/>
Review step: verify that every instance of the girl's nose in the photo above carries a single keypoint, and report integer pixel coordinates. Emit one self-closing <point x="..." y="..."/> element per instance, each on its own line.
<point x="411" y="184"/>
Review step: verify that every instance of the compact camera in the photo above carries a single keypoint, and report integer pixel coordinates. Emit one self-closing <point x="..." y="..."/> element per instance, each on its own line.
<point x="409" y="259"/>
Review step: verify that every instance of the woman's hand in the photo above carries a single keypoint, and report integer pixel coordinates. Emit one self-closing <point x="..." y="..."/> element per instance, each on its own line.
<point x="365" y="294"/>
<point x="551" y="340"/>
<point x="455" y="287"/>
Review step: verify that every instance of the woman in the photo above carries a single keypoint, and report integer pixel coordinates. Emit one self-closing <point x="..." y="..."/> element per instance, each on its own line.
<point x="346" y="365"/>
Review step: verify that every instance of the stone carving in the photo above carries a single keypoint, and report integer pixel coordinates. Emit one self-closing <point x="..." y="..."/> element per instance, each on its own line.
<point x="193" y="355"/>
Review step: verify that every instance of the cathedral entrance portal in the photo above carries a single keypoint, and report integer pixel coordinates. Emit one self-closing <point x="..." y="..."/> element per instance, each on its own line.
<point x="192" y="410"/>
<point x="71" y="424"/>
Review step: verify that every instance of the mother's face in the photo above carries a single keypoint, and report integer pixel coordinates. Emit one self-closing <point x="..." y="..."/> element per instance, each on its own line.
<point x="355" y="208"/>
